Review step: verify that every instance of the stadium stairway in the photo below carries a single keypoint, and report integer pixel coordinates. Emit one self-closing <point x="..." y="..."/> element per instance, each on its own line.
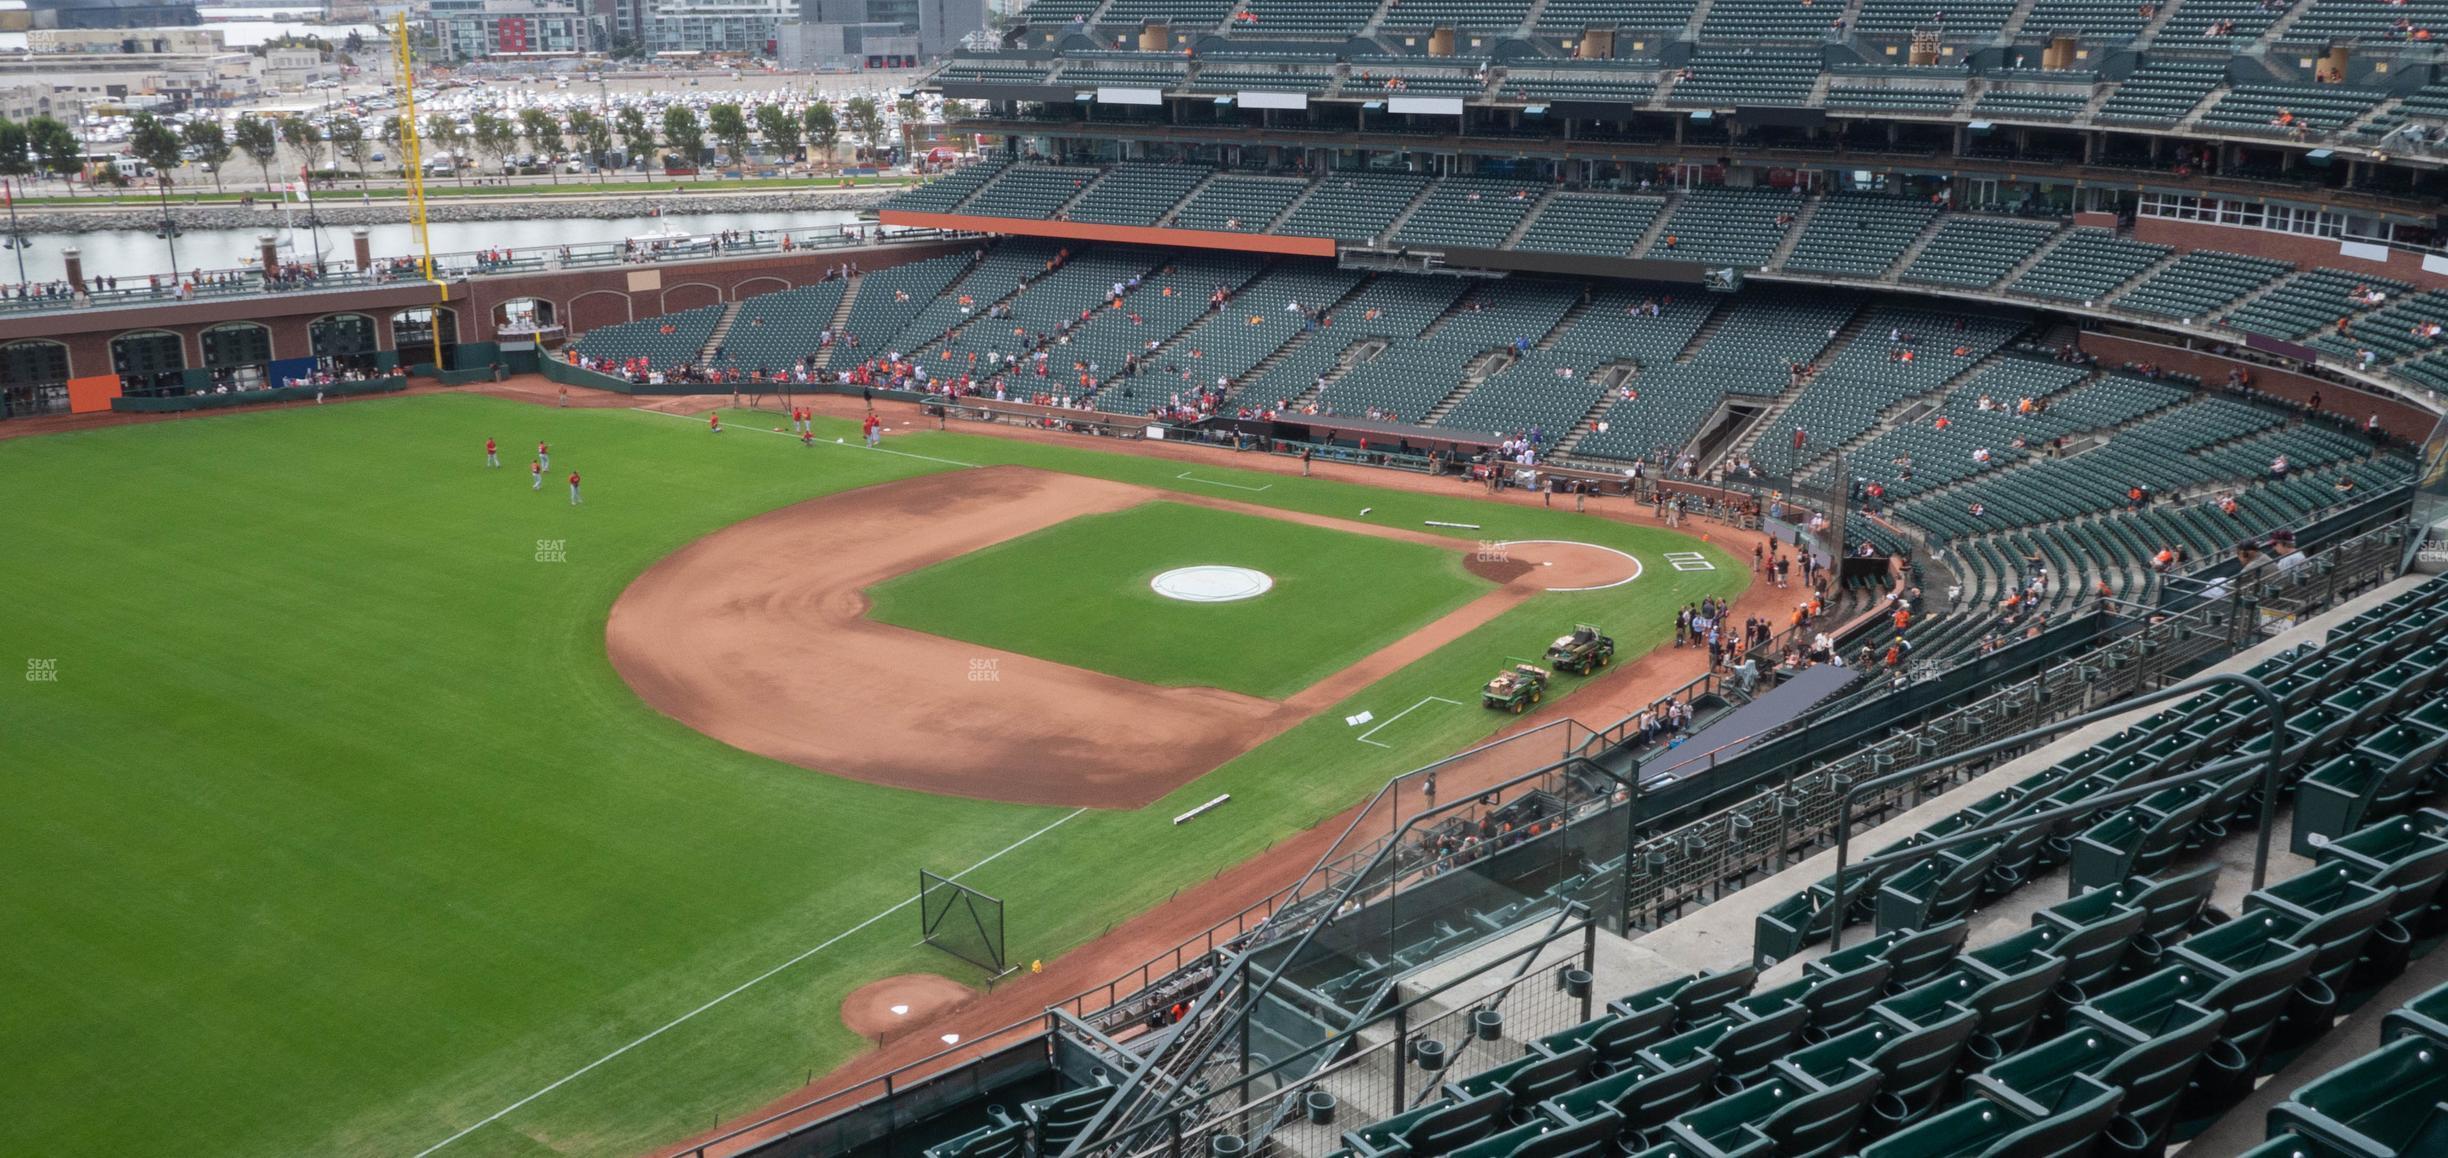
<point x="841" y="313"/>
<point x="2036" y="256"/>
<point x="1394" y="228"/>
<point x="1292" y="208"/>
<point x="1793" y="233"/>
<point x="1522" y="227"/>
<point x="722" y="330"/>
<point x="1365" y="350"/>
<point x="1608" y="378"/>
<point x="1912" y="252"/>
<point x="2015" y="21"/>
<point x="1173" y="212"/>
<point x="1744" y="444"/>
<point x="1657" y="225"/>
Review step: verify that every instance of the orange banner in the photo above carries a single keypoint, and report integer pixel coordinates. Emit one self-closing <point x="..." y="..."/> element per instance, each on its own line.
<point x="1127" y="234"/>
<point x="89" y="394"/>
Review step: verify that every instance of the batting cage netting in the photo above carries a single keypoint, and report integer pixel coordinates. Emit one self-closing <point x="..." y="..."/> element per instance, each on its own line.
<point x="961" y="921"/>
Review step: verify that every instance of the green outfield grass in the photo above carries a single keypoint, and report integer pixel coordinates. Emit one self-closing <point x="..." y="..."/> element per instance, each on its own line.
<point x="337" y="834"/>
<point x="1078" y="593"/>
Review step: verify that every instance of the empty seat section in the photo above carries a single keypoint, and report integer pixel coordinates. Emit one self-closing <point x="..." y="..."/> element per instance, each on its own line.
<point x="2287" y="109"/>
<point x="1952" y="19"/>
<point x="1859" y="234"/>
<point x="1323" y="18"/>
<point x="1740" y="20"/>
<point x="2324" y="21"/>
<point x="1031" y="192"/>
<point x="2162" y="92"/>
<point x="1646" y="324"/>
<point x="1135" y="194"/>
<point x="1469" y="211"/>
<point x="2201" y="284"/>
<point x="1353" y="206"/>
<point x="1604" y="224"/>
<point x="887" y="299"/>
<point x="945" y="193"/>
<point x="2099" y="21"/>
<point x="774" y="331"/>
<point x="2310" y="301"/>
<point x="1737" y="227"/>
<point x="1487" y="15"/>
<point x="2222" y="25"/>
<point x="2086" y="265"/>
<point x="1583" y="87"/>
<point x="1908" y="100"/>
<point x="1239" y="203"/>
<point x="1902" y="352"/>
<point x="1540" y="392"/>
<point x="1174" y="14"/>
<point x="2030" y="104"/>
<point x="1728" y="77"/>
<point x="1974" y="251"/>
<point x="665" y="342"/>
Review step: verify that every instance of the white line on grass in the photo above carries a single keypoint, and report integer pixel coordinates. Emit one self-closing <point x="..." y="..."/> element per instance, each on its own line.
<point x="784" y="434"/>
<point x="743" y="987"/>
<point x="1364" y="736"/>
<point x="1214" y="483"/>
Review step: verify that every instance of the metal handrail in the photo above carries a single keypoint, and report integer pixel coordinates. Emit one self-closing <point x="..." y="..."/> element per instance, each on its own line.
<point x="1233" y="970"/>
<point x="2274" y="767"/>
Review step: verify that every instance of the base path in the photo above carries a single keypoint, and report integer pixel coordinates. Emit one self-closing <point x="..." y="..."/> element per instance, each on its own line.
<point x="758" y="636"/>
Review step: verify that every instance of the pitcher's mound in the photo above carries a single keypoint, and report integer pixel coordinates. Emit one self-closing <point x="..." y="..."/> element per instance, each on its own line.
<point x="884" y="1008"/>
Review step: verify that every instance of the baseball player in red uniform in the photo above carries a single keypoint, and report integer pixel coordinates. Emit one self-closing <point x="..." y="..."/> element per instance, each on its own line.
<point x="536" y="468"/>
<point x="714" y="421"/>
<point x="807" y="436"/>
<point x="492" y="454"/>
<point x="544" y="455"/>
<point x="574" y="499"/>
<point x="874" y="427"/>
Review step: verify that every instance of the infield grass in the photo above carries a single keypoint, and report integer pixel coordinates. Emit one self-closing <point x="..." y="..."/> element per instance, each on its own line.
<point x="1078" y="593"/>
<point x="338" y="834"/>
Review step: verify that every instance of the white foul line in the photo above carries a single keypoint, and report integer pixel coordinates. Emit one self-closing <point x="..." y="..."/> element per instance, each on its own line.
<point x="1636" y="563"/>
<point x="1214" y="483"/>
<point x="1364" y="736"/>
<point x="743" y="987"/>
<point x="754" y="430"/>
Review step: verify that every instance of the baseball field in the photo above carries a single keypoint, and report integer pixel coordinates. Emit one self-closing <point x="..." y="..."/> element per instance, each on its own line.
<point x="362" y="799"/>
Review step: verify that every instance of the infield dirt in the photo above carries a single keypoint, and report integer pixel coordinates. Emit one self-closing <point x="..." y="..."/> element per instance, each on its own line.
<point x="758" y="636"/>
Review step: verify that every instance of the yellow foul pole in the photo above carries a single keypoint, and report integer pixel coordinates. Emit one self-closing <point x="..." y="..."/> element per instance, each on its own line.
<point x="412" y="167"/>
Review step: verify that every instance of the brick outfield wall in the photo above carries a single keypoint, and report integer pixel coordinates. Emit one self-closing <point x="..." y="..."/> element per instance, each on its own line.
<point x="2404" y="421"/>
<point x="2300" y="251"/>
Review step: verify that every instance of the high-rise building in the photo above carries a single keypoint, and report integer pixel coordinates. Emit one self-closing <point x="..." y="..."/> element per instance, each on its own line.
<point x="475" y="29"/>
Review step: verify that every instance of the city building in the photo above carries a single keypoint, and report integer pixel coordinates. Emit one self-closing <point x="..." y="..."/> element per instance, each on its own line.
<point x="725" y="26"/>
<point x="109" y="13"/>
<point x="122" y="41"/>
<point x="876" y="33"/>
<point x="477" y="29"/>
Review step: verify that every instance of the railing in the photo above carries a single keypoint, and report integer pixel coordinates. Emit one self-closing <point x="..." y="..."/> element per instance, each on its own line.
<point x="339" y="273"/>
<point x="1800" y="814"/>
<point x="1369" y="1068"/>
